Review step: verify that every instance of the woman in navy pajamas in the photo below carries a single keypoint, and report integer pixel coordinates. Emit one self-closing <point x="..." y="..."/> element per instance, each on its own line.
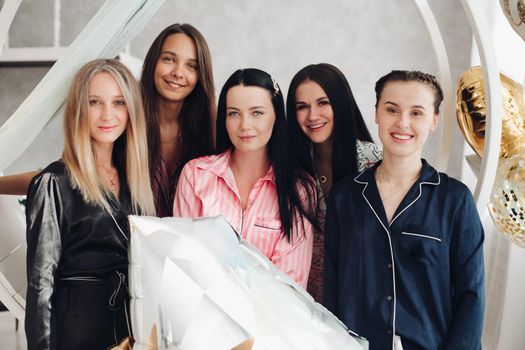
<point x="403" y="242"/>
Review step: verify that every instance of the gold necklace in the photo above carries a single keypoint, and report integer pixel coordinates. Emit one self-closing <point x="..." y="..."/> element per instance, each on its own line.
<point x="113" y="183"/>
<point x="391" y="195"/>
<point x="112" y="180"/>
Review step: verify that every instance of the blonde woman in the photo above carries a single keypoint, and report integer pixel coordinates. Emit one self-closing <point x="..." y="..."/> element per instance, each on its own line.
<point x="77" y="231"/>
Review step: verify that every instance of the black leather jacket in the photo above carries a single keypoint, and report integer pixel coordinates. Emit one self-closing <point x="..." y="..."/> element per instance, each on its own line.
<point x="67" y="237"/>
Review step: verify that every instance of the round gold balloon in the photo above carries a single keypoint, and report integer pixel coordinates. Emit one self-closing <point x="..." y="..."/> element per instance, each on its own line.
<point x="471" y="111"/>
<point x="514" y="10"/>
<point x="507" y="201"/>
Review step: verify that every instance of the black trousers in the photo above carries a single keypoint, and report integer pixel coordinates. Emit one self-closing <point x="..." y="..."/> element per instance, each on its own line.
<point x="84" y="318"/>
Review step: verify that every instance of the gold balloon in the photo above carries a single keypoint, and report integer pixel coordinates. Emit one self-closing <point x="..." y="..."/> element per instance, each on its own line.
<point x="471" y="112"/>
<point x="507" y="201"/>
<point x="517" y="21"/>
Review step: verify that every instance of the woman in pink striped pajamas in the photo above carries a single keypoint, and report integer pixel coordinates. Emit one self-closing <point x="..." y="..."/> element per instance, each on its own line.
<point x="252" y="179"/>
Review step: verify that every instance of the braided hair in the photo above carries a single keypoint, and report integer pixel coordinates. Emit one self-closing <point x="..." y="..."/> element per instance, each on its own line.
<point x="413" y="75"/>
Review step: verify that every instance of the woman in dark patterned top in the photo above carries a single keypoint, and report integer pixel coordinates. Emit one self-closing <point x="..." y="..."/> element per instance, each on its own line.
<point x="179" y="101"/>
<point x="330" y="139"/>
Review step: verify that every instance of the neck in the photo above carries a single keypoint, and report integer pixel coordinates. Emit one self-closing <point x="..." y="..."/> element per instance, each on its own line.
<point x="399" y="171"/>
<point x="256" y="163"/>
<point x="169" y="111"/>
<point x="323" y="157"/>
<point x="103" y="154"/>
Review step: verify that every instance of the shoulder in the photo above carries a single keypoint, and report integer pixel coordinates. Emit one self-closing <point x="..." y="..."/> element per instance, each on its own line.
<point x="57" y="168"/>
<point x="208" y="162"/>
<point x="350" y="183"/>
<point x="368" y="153"/>
<point x="456" y="190"/>
<point x="204" y="168"/>
<point x="50" y="182"/>
<point x="55" y="171"/>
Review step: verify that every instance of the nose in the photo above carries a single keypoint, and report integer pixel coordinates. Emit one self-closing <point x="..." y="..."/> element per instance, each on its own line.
<point x="177" y="70"/>
<point x="245" y="123"/>
<point x="404" y="120"/>
<point x="313" y="112"/>
<point x="107" y="111"/>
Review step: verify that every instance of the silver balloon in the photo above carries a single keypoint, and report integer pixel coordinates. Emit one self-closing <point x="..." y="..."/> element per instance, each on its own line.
<point x="507" y="202"/>
<point x="197" y="285"/>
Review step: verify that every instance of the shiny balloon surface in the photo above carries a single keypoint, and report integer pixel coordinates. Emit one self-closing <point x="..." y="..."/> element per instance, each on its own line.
<point x="507" y="201"/>
<point x="471" y="111"/>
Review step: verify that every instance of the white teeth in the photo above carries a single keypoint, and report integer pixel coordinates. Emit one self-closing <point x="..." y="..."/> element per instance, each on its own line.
<point x="316" y="126"/>
<point x="172" y="84"/>
<point x="402" y="137"/>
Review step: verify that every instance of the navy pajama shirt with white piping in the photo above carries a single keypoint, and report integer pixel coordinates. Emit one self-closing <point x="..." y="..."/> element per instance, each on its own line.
<point x="419" y="277"/>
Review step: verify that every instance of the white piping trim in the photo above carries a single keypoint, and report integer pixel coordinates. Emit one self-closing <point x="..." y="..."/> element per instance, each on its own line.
<point x="419" y="195"/>
<point x="420" y="235"/>
<point x="391" y="257"/>
<point x="390" y="239"/>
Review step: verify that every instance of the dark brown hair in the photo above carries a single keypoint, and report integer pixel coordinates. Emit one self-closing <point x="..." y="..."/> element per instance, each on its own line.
<point x="349" y="125"/>
<point x="197" y="117"/>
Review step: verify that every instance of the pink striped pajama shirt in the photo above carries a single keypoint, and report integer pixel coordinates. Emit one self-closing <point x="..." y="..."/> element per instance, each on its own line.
<point x="207" y="187"/>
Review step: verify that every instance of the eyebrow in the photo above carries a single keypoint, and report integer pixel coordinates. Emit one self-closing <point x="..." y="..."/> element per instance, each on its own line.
<point x="395" y="104"/>
<point x="174" y="54"/>
<point x="317" y="100"/>
<point x="250" y="109"/>
<point x="117" y="96"/>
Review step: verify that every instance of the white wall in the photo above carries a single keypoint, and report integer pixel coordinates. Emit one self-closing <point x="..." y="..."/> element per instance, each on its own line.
<point x="364" y="38"/>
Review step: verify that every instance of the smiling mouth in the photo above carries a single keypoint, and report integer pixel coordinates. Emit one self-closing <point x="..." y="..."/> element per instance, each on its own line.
<point x="106" y="128"/>
<point x="401" y="137"/>
<point x="246" y="138"/>
<point x="174" y="85"/>
<point x="315" y="127"/>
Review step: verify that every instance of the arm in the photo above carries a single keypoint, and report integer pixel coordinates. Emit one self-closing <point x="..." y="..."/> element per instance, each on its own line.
<point x="16" y="184"/>
<point x="295" y="257"/>
<point x="331" y="257"/>
<point x="186" y="203"/>
<point x="43" y="217"/>
<point x="466" y="255"/>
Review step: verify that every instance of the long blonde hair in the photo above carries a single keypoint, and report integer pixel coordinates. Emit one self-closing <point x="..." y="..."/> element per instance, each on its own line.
<point x="131" y="147"/>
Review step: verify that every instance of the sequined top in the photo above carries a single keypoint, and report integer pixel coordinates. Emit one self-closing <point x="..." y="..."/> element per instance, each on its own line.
<point x="368" y="154"/>
<point x="164" y="186"/>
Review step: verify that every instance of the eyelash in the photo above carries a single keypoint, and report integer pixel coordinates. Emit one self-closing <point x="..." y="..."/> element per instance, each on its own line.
<point x="169" y="59"/>
<point x="116" y="102"/>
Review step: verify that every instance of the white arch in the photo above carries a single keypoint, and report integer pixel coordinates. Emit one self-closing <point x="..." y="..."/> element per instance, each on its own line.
<point x="445" y="79"/>
<point x="489" y="65"/>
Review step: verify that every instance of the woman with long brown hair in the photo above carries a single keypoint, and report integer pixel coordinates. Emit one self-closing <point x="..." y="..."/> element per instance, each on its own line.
<point x="179" y="102"/>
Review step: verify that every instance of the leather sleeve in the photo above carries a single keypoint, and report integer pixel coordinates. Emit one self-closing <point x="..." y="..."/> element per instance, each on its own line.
<point x="44" y="219"/>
